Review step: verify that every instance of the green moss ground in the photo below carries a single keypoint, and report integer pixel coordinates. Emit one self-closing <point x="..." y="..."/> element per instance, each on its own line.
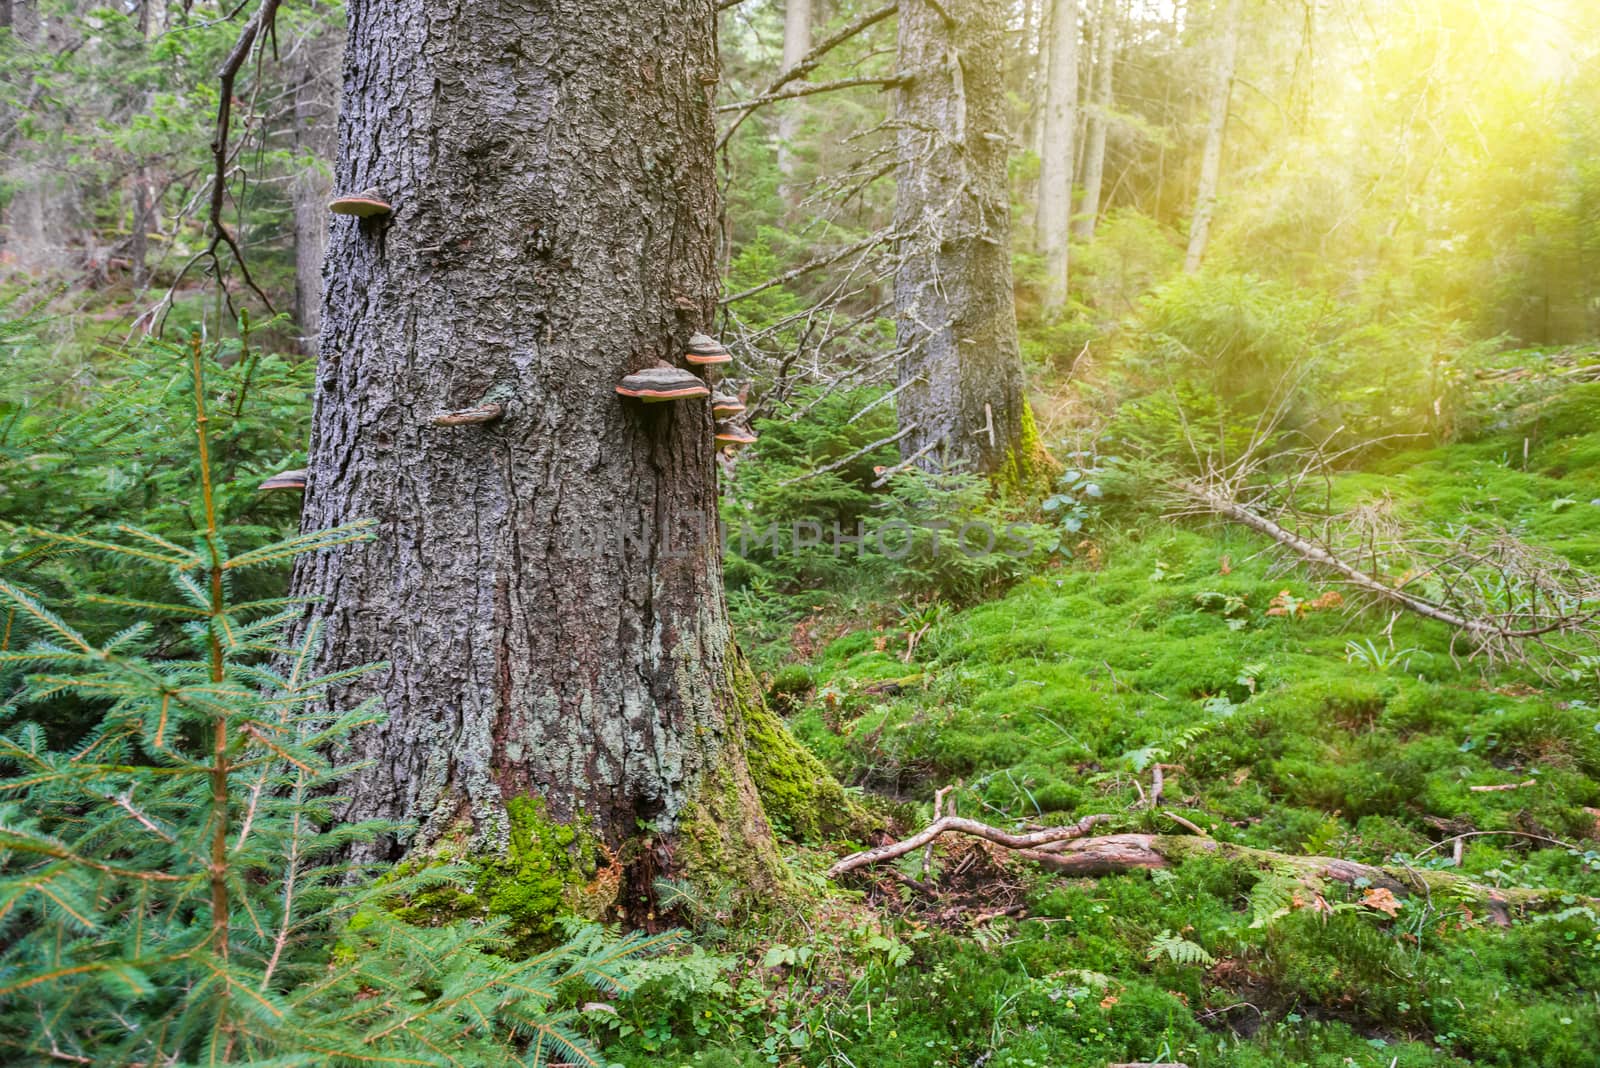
<point x="1052" y="701"/>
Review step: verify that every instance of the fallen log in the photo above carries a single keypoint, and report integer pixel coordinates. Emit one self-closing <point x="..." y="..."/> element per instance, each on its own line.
<point x="1067" y="851"/>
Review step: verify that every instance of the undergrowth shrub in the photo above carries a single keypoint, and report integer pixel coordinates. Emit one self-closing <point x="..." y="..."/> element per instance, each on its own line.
<point x="1216" y="362"/>
<point x="802" y="515"/>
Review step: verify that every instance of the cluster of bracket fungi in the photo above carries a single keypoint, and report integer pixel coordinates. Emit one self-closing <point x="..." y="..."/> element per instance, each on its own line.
<point x="661" y="383"/>
<point x="665" y="382"/>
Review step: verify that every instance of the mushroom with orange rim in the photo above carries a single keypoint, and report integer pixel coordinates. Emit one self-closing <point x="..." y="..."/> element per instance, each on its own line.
<point x="661" y="383"/>
<point x="704" y="350"/>
<point x="730" y="434"/>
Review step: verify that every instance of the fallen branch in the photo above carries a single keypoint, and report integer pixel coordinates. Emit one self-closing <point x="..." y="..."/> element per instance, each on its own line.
<point x="961" y="825"/>
<point x="1117" y="853"/>
<point x="1489" y="629"/>
<point x="1503" y="786"/>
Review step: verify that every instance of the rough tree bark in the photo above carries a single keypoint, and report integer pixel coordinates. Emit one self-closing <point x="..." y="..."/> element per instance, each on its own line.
<point x="961" y="375"/>
<point x="545" y="590"/>
<point x="1057" y="157"/>
<point x="1205" y="202"/>
<point x="1094" y="162"/>
<point x="796" y="43"/>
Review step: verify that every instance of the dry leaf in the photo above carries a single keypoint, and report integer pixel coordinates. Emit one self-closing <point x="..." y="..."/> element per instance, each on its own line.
<point x="1381" y="900"/>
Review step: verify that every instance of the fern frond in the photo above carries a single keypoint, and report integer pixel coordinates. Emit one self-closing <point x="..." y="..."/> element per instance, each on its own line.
<point x="1178" y="950"/>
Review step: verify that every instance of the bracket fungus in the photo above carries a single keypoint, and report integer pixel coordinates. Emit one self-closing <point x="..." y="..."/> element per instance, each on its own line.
<point x="723" y="405"/>
<point x="286" y="480"/>
<point x="705" y="350"/>
<point x="661" y="383"/>
<point x="729" y="434"/>
<point x="478" y="416"/>
<point x="363" y="205"/>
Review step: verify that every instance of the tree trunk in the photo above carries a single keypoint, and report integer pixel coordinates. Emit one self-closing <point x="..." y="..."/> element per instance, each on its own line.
<point x="315" y="122"/>
<point x="546" y="590"/>
<point x="1094" y="164"/>
<point x="143" y="207"/>
<point x="961" y="375"/>
<point x="796" y="43"/>
<point x="1056" y="161"/>
<point x="1205" y="203"/>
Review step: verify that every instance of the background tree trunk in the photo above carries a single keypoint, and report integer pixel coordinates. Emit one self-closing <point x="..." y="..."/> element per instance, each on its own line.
<point x="1205" y="203"/>
<point x="1094" y="164"/>
<point x="961" y="372"/>
<point x="1056" y="160"/>
<point x="546" y="590"/>
<point x="796" y="43"/>
<point x="316" y="103"/>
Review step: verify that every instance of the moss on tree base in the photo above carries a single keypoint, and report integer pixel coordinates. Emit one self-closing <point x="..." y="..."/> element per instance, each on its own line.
<point x="766" y="785"/>
<point x="1028" y="470"/>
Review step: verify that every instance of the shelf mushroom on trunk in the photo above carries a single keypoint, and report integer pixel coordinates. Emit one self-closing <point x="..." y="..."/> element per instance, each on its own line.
<point x="663" y="382"/>
<point x="363" y="205"/>
<point x="286" y="480"/>
<point x="724" y="405"/>
<point x="705" y="350"/>
<point x="736" y="436"/>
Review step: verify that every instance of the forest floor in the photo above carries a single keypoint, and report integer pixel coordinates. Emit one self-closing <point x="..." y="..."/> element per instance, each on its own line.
<point x="1281" y="717"/>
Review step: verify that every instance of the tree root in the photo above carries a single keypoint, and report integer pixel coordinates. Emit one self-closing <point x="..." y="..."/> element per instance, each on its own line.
<point x="1068" y="851"/>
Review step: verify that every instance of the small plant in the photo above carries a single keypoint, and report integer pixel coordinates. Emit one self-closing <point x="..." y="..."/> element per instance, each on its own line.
<point x="1080" y="493"/>
<point x="917" y="620"/>
<point x="1377" y="658"/>
<point x="1231" y="607"/>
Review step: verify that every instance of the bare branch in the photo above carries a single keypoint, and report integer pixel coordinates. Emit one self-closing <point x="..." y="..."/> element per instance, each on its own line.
<point x="890" y="440"/>
<point x="809" y="61"/>
<point x="811" y="89"/>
